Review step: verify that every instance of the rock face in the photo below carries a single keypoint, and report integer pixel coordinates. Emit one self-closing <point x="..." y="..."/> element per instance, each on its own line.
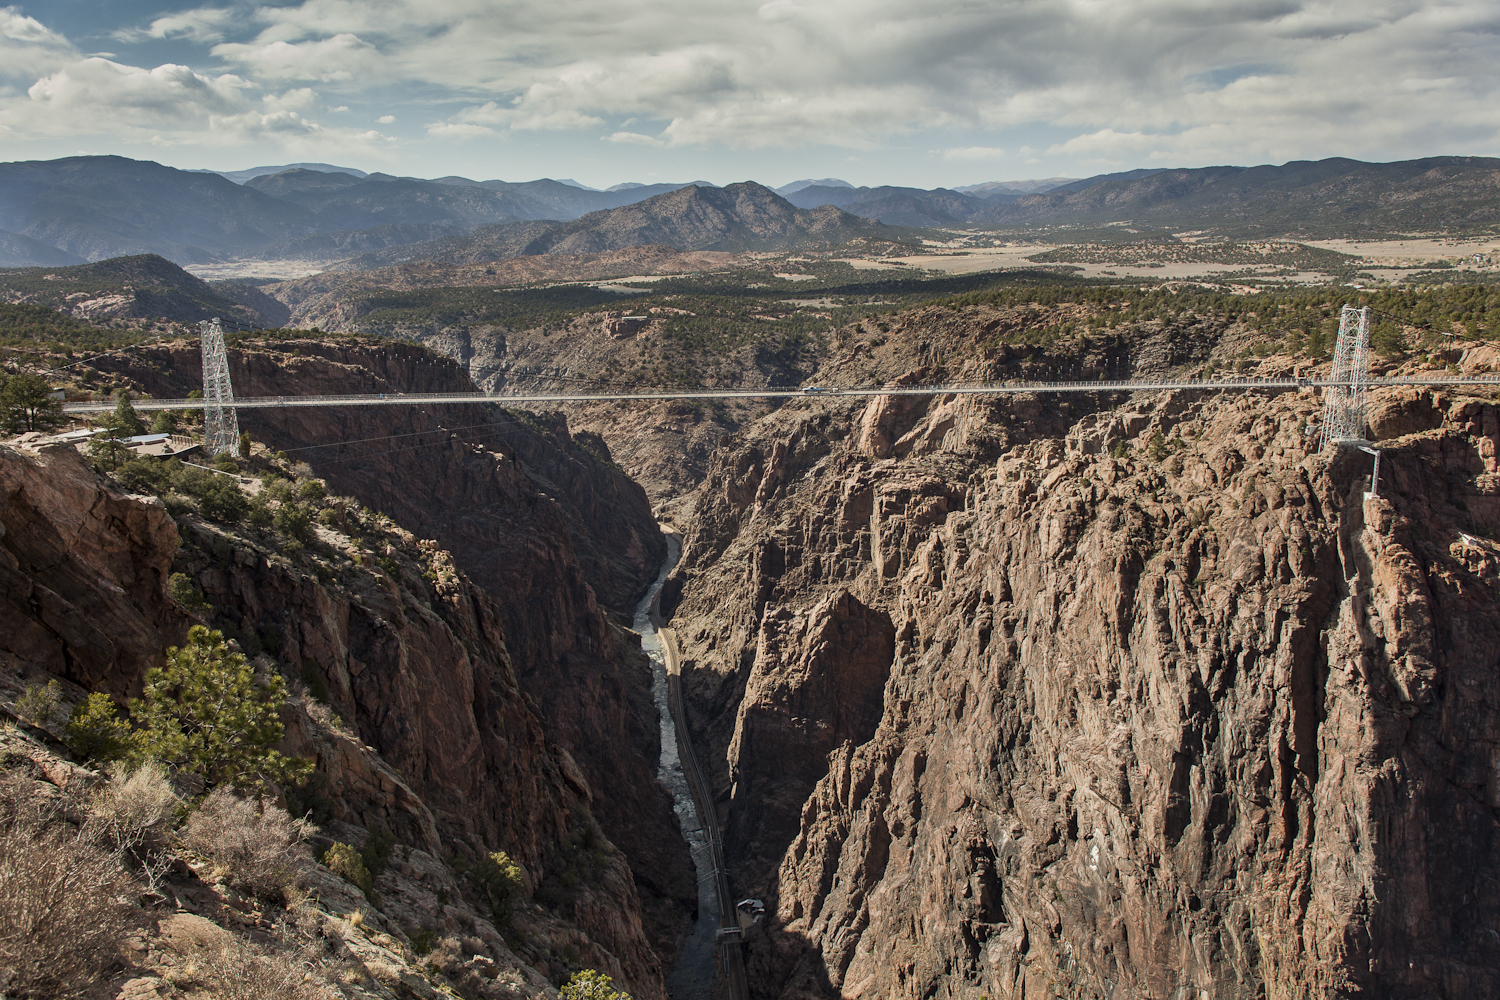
<point x="442" y="746"/>
<point x="497" y="490"/>
<point x="83" y="574"/>
<point x="1090" y="712"/>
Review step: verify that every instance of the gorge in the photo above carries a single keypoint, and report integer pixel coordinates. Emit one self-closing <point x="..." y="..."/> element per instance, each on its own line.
<point x="1105" y="696"/>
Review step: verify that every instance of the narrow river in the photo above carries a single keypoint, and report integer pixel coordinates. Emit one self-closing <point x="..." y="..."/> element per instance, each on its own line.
<point x="693" y="976"/>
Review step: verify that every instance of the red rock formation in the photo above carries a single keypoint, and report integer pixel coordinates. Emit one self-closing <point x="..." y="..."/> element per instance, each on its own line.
<point x="1200" y="720"/>
<point x="446" y="750"/>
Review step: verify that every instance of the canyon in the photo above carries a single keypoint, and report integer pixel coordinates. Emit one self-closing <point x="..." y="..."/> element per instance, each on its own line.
<point x="1107" y="695"/>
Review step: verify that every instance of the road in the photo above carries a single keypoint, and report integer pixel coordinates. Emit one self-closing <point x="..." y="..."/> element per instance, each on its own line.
<point x="958" y="389"/>
<point x="730" y="951"/>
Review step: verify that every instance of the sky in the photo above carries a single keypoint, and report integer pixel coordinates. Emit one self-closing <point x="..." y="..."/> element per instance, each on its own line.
<point x="925" y="93"/>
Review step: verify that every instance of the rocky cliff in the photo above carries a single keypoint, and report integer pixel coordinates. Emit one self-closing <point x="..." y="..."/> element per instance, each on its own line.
<point x="536" y="518"/>
<point x="1099" y="698"/>
<point x="419" y="726"/>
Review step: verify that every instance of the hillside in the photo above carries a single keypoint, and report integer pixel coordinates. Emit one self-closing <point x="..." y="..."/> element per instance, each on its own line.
<point x="143" y="286"/>
<point x="95" y="207"/>
<point x="341" y="201"/>
<point x="737" y="218"/>
<point x="1333" y="197"/>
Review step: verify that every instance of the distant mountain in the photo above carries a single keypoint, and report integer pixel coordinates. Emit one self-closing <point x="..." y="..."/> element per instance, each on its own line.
<point x="1033" y="186"/>
<point x="1329" y="197"/>
<point x="795" y="186"/>
<point x="348" y="242"/>
<point x="895" y="206"/>
<point x="1088" y="182"/>
<point x="739" y="217"/>
<point x="570" y="182"/>
<point x="23" y="251"/>
<point x="144" y="286"/>
<point x="241" y="176"/>
<point x="564" y="201"/>
<point x="95" y="207"/>
<point x="342" y="201"/>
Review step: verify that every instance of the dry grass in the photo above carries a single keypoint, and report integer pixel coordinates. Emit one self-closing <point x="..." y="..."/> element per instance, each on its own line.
<point x="63" y="909"/>
<point x="255" y="846"/>
<point x="238" y="973"/>
<point x="135" y="809"/>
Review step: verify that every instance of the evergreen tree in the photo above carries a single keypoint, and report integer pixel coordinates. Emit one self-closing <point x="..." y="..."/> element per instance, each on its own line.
<point x="126" y="419"/>
<point x="26" y="404"/>
<point x="206" y="714"/>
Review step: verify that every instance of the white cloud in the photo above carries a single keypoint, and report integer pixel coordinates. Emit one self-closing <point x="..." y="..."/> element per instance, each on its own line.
<point x="634" y="139"/>
<point x="386" y="119"/>
<point x="1129" y="80"/>
<point x="858" y="73"/>
<point x="28" y="48"/>
<point x="458" y="130"/>
<point x="344" y="56"/>
<point x="206" y="24"/>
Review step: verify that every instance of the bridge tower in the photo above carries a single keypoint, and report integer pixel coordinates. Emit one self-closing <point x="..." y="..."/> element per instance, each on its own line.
<point x="1344" y="400"/>
<point x="221" y="425"/>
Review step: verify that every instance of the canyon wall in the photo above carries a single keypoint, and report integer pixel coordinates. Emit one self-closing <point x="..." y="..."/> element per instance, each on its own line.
<point x="438" y="745"/>
<point x="515" y="498"/>
<point x="1009" y="699"/>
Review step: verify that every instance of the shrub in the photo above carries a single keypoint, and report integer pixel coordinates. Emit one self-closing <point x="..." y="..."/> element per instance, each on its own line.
<point x="134" y="808"/>
<point x="502" y="880"/>
<point x="255" y="846"/>
<point x="376" y="852"/>
<point x="38" y="704"/>
<point x="62" y="911"/>
<point x="97" y="733"/>
<point x="313" y="490"/>
<point x="144" y="475"/>
<point x="294" y="520"/>
<point x="236" y="972"/>
<point x="180" y="588"/>
<point x="206" y="714"/>
<point x="588" y="984"/>
<point x="344" y="861"/>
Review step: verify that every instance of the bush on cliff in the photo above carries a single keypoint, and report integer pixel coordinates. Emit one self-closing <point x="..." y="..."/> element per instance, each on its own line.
<point x="502" y="881"/>
<point x="97" y="733"/>
<point x="255" y="846"/>
<point x="590" y="984"/>
<point x="206" y="714"/>
<point x="344" y="861"/>
<point x="63" y="909"/>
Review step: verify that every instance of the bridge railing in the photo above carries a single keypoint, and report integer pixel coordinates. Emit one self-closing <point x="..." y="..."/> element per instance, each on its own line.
<point x="947" y="388"/>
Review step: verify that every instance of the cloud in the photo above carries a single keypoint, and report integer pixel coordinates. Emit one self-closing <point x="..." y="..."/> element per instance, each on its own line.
<point x="634" y="139"/>
<point x="458" y="130"/>
<point x="386" y="119"/>
<point x="861" y="73"/>
<point x="28" y="48"/>
<point x="1123" y="80"/>
<point x="342" y="57"/>
<point x="206" y="24"/>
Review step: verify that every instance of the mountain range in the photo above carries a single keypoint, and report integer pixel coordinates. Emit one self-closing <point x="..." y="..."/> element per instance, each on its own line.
<point x="82" y="208"/>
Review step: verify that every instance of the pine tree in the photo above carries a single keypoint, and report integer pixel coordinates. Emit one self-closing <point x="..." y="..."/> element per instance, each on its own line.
<point x="26" y="404"/>
<point x="206" y="714"/>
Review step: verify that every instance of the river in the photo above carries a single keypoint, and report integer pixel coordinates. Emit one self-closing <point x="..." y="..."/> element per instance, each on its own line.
<point x="693" y="975"/>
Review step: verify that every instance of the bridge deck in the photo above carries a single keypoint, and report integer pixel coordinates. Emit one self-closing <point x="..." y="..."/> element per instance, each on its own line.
<point x="982" y="389"/>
